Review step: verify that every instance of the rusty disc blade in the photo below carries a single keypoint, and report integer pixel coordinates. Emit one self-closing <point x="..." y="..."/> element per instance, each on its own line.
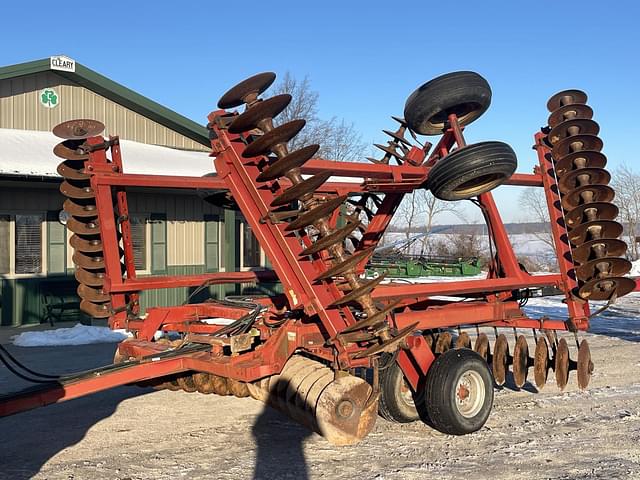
<point x="584" y="365"/>
<point x="590" y="212"/>
<point x="250" y="118"/>
<point x="463" y="340"/>
<point x="390" y="345"/>
<point x="594" y="231"/>
<point x="356" y="293"/>
<point x="373" y="319"/>
<point x="279" y="135"/>
<point x="568" y="128"/>
<point x="299" y="190"/>
<point x="69" y="150"/>
<point x="301" y="400"/>
<point x="541" y="362"/>
<point x="581" y="159"/>
<point x="583" y="177"/>
<point x="91" y="294"/>
<point x="576" y="143"/>
<point x="569" y="112"/>
<point x="604" y="289"/>
<point x="78" y="129"/>
<point x="85" y="245"/>
<point x="587" y="194"/>
<point x="81" y="228"/>
<point x="606" y="247"/>
<point x="500" y="362"/>
<point x="443" y="342"/>
<point x="603" y="268"/>
<point x="77" y="210"/>
<point x="389" y="151"/>
<point x="186" y="383"/>
<point x="561" y="362"/>
<point x="399" y="138"/>
<point x="355" y="337"/>
<point x="88" y="262"/>
<point x="309" y="217"/>
<point x="69" y="171"/>
<point x="96" y="310"/>
<point x="520" y="361"/>
<point x="482" y="347"/>
<point x="566" y="97"/>
<point x="347" y="264"/>
<point x="93" y="279"/>
<point x="202" y="382"/>
<point x="72" y="191"/>
<point x="255" y="85"/>
<point x="337" y="236"/>
<point x="285" y="164"/>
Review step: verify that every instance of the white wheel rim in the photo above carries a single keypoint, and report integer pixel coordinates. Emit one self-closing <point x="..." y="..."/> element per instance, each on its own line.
<point x="405" y="394"/>
<point x="469" y="394"/>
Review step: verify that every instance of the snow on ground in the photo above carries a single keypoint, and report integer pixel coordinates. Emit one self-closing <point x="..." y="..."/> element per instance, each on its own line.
<point x="76" y="335"/>
<point x="635" y="269"/>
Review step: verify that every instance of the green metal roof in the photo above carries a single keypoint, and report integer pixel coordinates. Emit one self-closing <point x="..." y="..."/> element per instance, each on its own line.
<point x="118" y="93"/>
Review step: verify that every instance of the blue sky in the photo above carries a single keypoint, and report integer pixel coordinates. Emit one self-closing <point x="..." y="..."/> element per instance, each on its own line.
<point x="364" y="58"/>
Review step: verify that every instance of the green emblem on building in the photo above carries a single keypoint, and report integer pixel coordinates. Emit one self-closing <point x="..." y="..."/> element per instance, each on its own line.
<point x="49" y="98"/>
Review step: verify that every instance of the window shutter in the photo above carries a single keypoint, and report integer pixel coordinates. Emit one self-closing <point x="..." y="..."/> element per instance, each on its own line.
<point x="57" y="244"/>
<point x="28" y="245"/>
<point x="138" y="225"/>
<point x="158" y="243"/>
<point x="212" y="242"/>
<point x="5" y="254"/>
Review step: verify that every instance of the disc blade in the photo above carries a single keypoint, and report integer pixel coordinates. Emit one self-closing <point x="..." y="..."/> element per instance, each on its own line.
<point x="499" y="365"/>
<point x="584" y="365"/>
<point x="561" y="362"/>
<point x="293" y="160"/>
<point x="463" y="340"/>
<point x="398" y="138"/>
<point x="482" y="347"/>
<point x="66" y="170"/>
<point x="279" y="135"/>
<point x="299" y="190"/>
<point x="589" y="212"/>
<point x="568" y="128"/>
<point x="373" y="319"/>
<point x="347" y="264"/>
<point x="88" y="262"/>
<point x="566" y="97"/>
<point x="607" y="247"/>
<point x="338" y="236"/>
<point x="569" y="112"/>
<point x="78" y="210"/>
<point x="69" y="150"/>
<point x="604" y="289"/>
<point x="91" y="294"/>
<point x="269" y="108"/>
<point x="93" y="279"/>
<point x="96" y="310"/>
<point x="443" y="343"/>
<point x="541" y="362"/>
<point x="581" y="159"/>
<point x="520" y="361"/>
<point x="587" y="194"/>
<point x="582" y="177"/>
<point x="85" y="245"/>
<point x="322" y="210"/>
<point x="576" y="143"/>
<point x="389" y="345"/>
<point x="254" y="85"/>
<point x="594" y="231"/>
<point x="355" y="294"/>
<point x="89" y="228"/>
<point x="72" y="191"/>
<point x="78" y="129"/>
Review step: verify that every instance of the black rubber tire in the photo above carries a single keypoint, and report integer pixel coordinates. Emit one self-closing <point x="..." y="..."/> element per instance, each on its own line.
<point x="472" y="170"/>
<point x="440" y="392"/>
<point x="466" y="94"/>
<point x="392" y="406"/>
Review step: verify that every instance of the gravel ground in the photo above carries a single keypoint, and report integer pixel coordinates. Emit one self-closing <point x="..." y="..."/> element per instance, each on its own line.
<point x="131" y="433"/>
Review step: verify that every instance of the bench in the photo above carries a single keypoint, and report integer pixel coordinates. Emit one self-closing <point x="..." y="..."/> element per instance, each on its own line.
<point x="60" y="299"/>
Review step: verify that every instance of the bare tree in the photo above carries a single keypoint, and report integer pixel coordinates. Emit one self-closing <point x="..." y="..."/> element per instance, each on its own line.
<point x="338" y="139"/>
<point x="534" y="203"/>
<point x="626" y="183"/>
<point x="409" y="213"/>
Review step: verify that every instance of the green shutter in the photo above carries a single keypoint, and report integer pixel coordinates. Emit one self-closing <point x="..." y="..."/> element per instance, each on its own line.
<point x="57" y="244"/>
<point x="212" y="242"/>
<point x="158" y="243"/>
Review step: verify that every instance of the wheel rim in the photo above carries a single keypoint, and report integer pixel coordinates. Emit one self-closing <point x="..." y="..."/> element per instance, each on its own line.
<point x="406" y="395"/>
<point x="479" y="184"/>
<point x="469" y="393"/>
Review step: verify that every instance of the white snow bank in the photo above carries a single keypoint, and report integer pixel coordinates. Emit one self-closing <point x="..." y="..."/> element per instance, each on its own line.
<point x="76" y="335"/>
<point x="635" y="269"/>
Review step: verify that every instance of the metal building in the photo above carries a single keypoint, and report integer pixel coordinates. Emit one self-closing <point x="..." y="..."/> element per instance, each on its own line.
<point x="175" y="232"/>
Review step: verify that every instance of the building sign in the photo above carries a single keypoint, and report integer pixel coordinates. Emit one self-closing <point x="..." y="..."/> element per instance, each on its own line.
<point x="63" y="63"/>
<point x="49" y="98"/>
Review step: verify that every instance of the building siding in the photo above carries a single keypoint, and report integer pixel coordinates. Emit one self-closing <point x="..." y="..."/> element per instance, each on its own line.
<point x="20" y="108"/>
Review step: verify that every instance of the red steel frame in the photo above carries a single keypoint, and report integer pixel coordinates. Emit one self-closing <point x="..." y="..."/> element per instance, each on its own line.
<point x="492" y="305"/>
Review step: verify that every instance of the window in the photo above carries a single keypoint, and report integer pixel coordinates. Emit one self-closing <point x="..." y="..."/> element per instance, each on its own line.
<point x="250" y="247"/>
<point x="57" y="245"/>
<point x="158" y="243"/>
<point x="139" y="240"/>
<point x="212" y="242"/>
<point x="28" y="243"/>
